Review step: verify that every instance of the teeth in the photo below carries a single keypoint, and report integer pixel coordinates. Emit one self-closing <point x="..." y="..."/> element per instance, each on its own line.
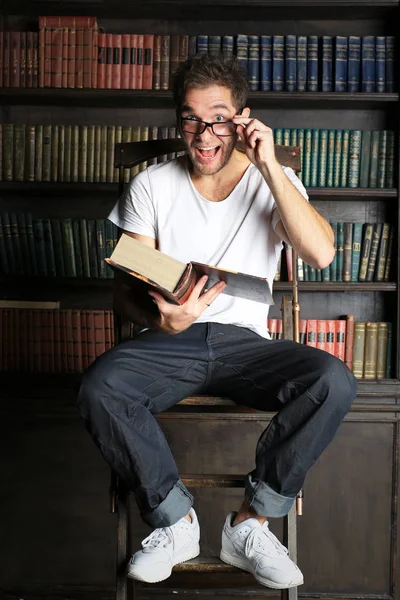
<point x="210" y="148"/>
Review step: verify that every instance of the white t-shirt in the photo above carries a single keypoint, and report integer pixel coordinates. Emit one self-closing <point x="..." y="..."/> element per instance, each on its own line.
<point x="237" y="233"/>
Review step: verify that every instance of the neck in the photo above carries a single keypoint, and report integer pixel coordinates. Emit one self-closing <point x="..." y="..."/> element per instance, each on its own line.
<point x="217" y="187"/>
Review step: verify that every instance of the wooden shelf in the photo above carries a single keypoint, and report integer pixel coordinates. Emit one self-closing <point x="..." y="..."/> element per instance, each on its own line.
<point x="163" y="99"/>
<point x="319" y="286"/>
<point x="44" y="188"/>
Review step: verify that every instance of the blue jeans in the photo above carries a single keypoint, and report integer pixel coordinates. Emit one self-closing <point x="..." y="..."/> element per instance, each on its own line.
<point x="311" y="391"/>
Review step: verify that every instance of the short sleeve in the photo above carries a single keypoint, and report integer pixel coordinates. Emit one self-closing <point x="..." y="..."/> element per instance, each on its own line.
<point x="290" y="174"/>
<point x="134" y="210"/>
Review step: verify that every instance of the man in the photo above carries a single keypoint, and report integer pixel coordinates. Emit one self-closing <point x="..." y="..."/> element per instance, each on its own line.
<point x="222" y="207"/>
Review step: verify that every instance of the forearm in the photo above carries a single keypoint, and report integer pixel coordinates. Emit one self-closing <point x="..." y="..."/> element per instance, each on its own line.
<point x="308" y="231"/>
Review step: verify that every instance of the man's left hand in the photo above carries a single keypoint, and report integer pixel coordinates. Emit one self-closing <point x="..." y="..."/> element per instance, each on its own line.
<point x="258" y="140"/>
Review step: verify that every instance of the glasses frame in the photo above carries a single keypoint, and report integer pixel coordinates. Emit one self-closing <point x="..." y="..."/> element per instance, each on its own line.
<point x="211" y="125"/>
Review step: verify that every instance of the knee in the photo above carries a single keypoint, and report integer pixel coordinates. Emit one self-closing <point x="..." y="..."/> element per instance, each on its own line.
<point x="90" y="392"/>
<point x="340" y="384"/>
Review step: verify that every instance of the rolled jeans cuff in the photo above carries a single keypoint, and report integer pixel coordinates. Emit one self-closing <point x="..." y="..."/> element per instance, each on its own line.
<point x="264" y="500"/>
<point x="175" y="505"/>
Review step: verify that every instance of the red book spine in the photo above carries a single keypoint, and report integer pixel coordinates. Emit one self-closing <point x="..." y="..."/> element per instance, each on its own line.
<point x="107" y="329"/>
<point x="56" y="57"/>
<point x="21" y="329"/>
<point x="77" y="340"/>
<point x="47" y="57"/>
<point x="330" y="336"/>
<point x="23" y="59"/>
<point x="139" y="61"/>
<point x="101" y="61"/>
<point x="311" y="333"/>
<point x="79" y="59"/>
<point x="37" y="342"/>
<point x="6" y="59"/>
<point x="109" y="59"/>
<point x="41" y="41"/>
<point x="63" y="341"/>
<point x="57" y="341"/>
<point x="71" y="57"/>
<point x="348" y="355"/>
<point x="321" y="334"/>
<point x="95" y="52"/>
<point x="46" y="341"/>
<point x="125" y="60"/>
<point x="69" y="336"/>
<point x="1" y="57"/>
<point x="91" y="342"/>
<point x="99" y="333"/>
<point x="272" y="327"/>
<point x="340" y="348"/>
<point x="29" y="59"/>
<point x="279" y="329"/>
<point x="133" y="61"/>
<point x="289" y="262"/>
<point x="87" y="57"/>
<point x="64" y="58"/>
<point x="30" y="344"/>
<point x="303" y="330"/>
<point x="84" y="341"/>
<point x="15" y="59"/>
<point x="148" y="49"/>
<point x="35" y="55"/>
<point x="116" y="62"/>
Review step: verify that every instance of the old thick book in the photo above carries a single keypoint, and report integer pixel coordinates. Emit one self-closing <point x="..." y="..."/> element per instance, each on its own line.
<point x="146" y="267"/>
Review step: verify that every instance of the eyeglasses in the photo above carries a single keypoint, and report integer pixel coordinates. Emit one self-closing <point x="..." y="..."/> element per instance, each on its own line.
<point x="197" y="127"/>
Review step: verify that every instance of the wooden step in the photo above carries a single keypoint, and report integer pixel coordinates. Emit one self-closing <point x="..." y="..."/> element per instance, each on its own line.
<point x="213" y="481"/>
<point x="206" y="564"/>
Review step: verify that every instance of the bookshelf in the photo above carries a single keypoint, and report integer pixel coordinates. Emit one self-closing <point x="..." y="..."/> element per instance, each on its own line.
<point x="351" y="495"/>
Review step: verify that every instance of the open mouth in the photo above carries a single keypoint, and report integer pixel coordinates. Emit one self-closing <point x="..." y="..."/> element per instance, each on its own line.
<point x="207" y="153"/>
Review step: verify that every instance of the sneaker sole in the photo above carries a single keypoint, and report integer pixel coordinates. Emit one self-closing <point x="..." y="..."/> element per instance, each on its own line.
<point x="236" y="562"/>
<point x="183" y="558"/>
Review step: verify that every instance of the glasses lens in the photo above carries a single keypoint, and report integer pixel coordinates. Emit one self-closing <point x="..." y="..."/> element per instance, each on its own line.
<point x="222" y="129"/>
<point x="192" y="126"/>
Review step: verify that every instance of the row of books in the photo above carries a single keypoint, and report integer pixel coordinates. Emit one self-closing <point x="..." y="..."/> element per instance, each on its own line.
<point x="71" y="153"/>
<point x="343" y="157"/>
<point x="53" y="340"/>
<point x="84" y="57"/>
<point x="56" y="247"/>
<point x="363" y="253"/>
<point x="64" y="153"/>
<point x="364" y="346"/>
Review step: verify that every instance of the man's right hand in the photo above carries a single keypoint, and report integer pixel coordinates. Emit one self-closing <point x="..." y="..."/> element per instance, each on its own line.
<point x="174" y="319"/>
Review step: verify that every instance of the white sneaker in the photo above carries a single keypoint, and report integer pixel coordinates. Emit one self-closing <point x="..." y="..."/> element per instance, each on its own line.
<point x="165" y="548"/>
<point x="252" y="547"/>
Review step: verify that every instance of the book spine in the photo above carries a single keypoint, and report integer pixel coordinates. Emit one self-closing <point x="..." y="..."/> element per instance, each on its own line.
<point x="365" y="158"/>
<point x="389" y="76"/>
<point x="354" y="158"/>
<point x="68" y="247"/>
<point x="339" y="251"/>
<point x="330" y="166"/>
<point x="278" y="62"/>
<point x="23" y="54"/>
<point x="265" y="63"/>
<point x="314" y="157"/>
<point x="228" y="45"/>
<point x="321" y="334"/>
<point x="390" y="158"/>
<point x="253" y="75"/>
<point x="341" y="58"/>
<point x="365" y="251"/>
<point x="349" y="341"/>
<point x="58" y="247"/>
<point x="382" y="150"/>
<point x="347" y="250"/>
<point x="109" y="60"/>
<point x="358" y="349"/>
<point x="242" y="52"/>
<point x="376" y="236"/>
<point x="139" y="61"/>
<point x="338" y="158"/>
<point x="388" y="373"/>
<point x="382" y="253"/>
<point x="101" y="61"/>
<point x="29" y="174"/>
<point x="356" y="251"/>
<point x="290" y="63"/>
<point x="327" y="63"/>
<point x="311" y="333"/>
<point x="389" y="254"/>
<point x="165" y="46"/>
<point x="368" y="63"/>
<point x="15" y="38"/>
<point x="354" y="64"/>
<point x="323" y="157"/>
<point x="116" y="62"/>
<point x="312" y="63"/>
<point x="345" y="158"/>
<point x="214" y="44"/>
<point x="330" y="337"/>
<point x="373" y="169"/>
<point x="371" y="350"/>
<point x="382" y="350"/>
<point x="148" y="49"/>
<point x="340" y="342"/>
<point x="78" y="255"/>
<point x="301" y="63"/>
<point x="380" y="64"/>
<point x="157" y="62"/>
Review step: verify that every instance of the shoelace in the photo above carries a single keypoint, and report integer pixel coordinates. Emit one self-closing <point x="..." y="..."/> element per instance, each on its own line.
<point x="257" y="536"/>
<point x="158" y="538"/>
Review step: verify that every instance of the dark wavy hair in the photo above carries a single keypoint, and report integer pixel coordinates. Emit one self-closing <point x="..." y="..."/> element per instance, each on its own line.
<point x="204" y="70"/>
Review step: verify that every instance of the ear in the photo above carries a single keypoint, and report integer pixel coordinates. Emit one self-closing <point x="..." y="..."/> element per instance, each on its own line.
<point x="246" y="112"/>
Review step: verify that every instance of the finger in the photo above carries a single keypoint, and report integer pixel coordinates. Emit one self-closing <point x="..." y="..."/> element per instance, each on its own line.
<point x="213" y="293"/>
<point x="199" y="287"/>
<point x="159" y="299"/>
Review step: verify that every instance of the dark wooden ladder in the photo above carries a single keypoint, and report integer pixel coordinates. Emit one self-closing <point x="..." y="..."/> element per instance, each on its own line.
<point x="128" y="155"/>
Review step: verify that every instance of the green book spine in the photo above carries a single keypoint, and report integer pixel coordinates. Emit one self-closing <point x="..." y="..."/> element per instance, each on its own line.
<point x="356" y="251"/>
<point x="19" y="152"/>
<point x="31" y="244"/>
<point x="38" y="152"/>
<point x="338" y="158"/>
<point x="54" y="153"/>
<point x="77" y="247"/>
<point x="339" y="252"/>
<point x="126" y="138"/>
<point x="305" y="269"/>
<point x="8" y="146"/>
<point x="5" y="217"/>
<point x="389" y="254"/>
<point x="373" y="167"/>
<point x="323" y="157"/>
<point x="67" y="153"/>
<point x="92" y="243"/>
<point x="68" y="247"/>
<point x="90" y="154"/>
<point x="345" y="158"/>
<point x="314" y="157"/>
<point x="365" y="251"/>
<point x="61" y="153"/>
<point x="40" y="250"/>
<point x="118" y="140"/>
<point x="382" y="147"/>
<point x="75" y="153"/>
<point x="347" y="250"/>
<point x="376" y="236"/>
<point x="82" y="167"/>
<point x="26" y="263"/>
<point x="58" y="247"/>
<point x="388" y="374"/>
<point x="390" y="155"/>
<point x="306" y="169"/>
<point x="16" y="244"/>
<point x="278" y="135"/>
<point x="330" y="165"/>
<point x="103" y="154"/>
<point x="5" y="269"/>
<point x="300" y="143"/>
<point x="382" y="253"/>
<point x="29" y="174"/>
<point x="293" y="137"/>
<point x="354" y="158"/>
<point x="46" y="156"/>
<point x="300" y="269"/>
<point x="100" y="247"/>
<point x="286" y="137"/>
<point x="84" y="247"/>
<point x="358" y="349"/>
<point x="109" y="246"/>
<point x="97" y="153"/>
<point x="333" y="265"/>
<point x="110" y="154"/>
<point x="382" y="349"/>
<point x="312" y="273"/>
<point x="365" y="158"/>
<point x="49" y="248"/>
